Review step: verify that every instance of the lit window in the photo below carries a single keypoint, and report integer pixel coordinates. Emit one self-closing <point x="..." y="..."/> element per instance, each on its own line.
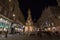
<point x="53" y="29"/>
<point x="9" y="0"/>
<point x="52" y="24"/>
<point x="49" y="25"/>
<point x="58" y="17"/>
<point x="45" y="29"/>
<point x="49" y="29"/>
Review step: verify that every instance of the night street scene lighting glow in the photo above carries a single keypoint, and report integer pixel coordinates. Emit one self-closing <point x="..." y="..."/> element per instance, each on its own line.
<point x="29" y="19"/>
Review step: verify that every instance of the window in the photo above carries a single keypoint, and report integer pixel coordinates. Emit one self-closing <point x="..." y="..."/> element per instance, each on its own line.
<point x="58" y="17"/>
<point x="5" y="12"/>
<point x="11" y="9"/>
<point x="0" y="8"/>
<point x="58" y="2"/>
<point x="52" y="24"/>
<point x="9" y="0"/>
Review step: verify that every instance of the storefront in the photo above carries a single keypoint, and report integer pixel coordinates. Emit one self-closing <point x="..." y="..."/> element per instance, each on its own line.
<point x="4" y="24"/>
<point x="17" y="28"/>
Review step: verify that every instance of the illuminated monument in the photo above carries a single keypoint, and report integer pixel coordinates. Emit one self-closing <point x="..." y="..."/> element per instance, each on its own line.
<point x="29" y="22"/>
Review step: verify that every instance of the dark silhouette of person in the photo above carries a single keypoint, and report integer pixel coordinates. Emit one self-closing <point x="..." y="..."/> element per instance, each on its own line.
<point x="6" y="32"/>
<point x="36" y="7"/>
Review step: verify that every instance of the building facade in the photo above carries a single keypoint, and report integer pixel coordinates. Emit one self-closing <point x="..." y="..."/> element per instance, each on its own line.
<point x="11" y="10"/>
<point x="50" y="18"/>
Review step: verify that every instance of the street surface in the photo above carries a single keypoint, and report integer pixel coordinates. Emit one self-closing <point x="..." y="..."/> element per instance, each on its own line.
<point x="26" y="37"/>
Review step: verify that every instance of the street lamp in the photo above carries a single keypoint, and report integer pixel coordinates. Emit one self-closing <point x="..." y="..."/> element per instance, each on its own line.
<point x="13" y="15"/>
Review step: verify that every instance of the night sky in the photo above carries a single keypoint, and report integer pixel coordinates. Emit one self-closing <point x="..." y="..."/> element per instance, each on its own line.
<point x="36" y="7"/>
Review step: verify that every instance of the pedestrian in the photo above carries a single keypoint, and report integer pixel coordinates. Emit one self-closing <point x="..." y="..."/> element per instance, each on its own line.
<point x="6" y="32"/>
<point x="39" y="33"/>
